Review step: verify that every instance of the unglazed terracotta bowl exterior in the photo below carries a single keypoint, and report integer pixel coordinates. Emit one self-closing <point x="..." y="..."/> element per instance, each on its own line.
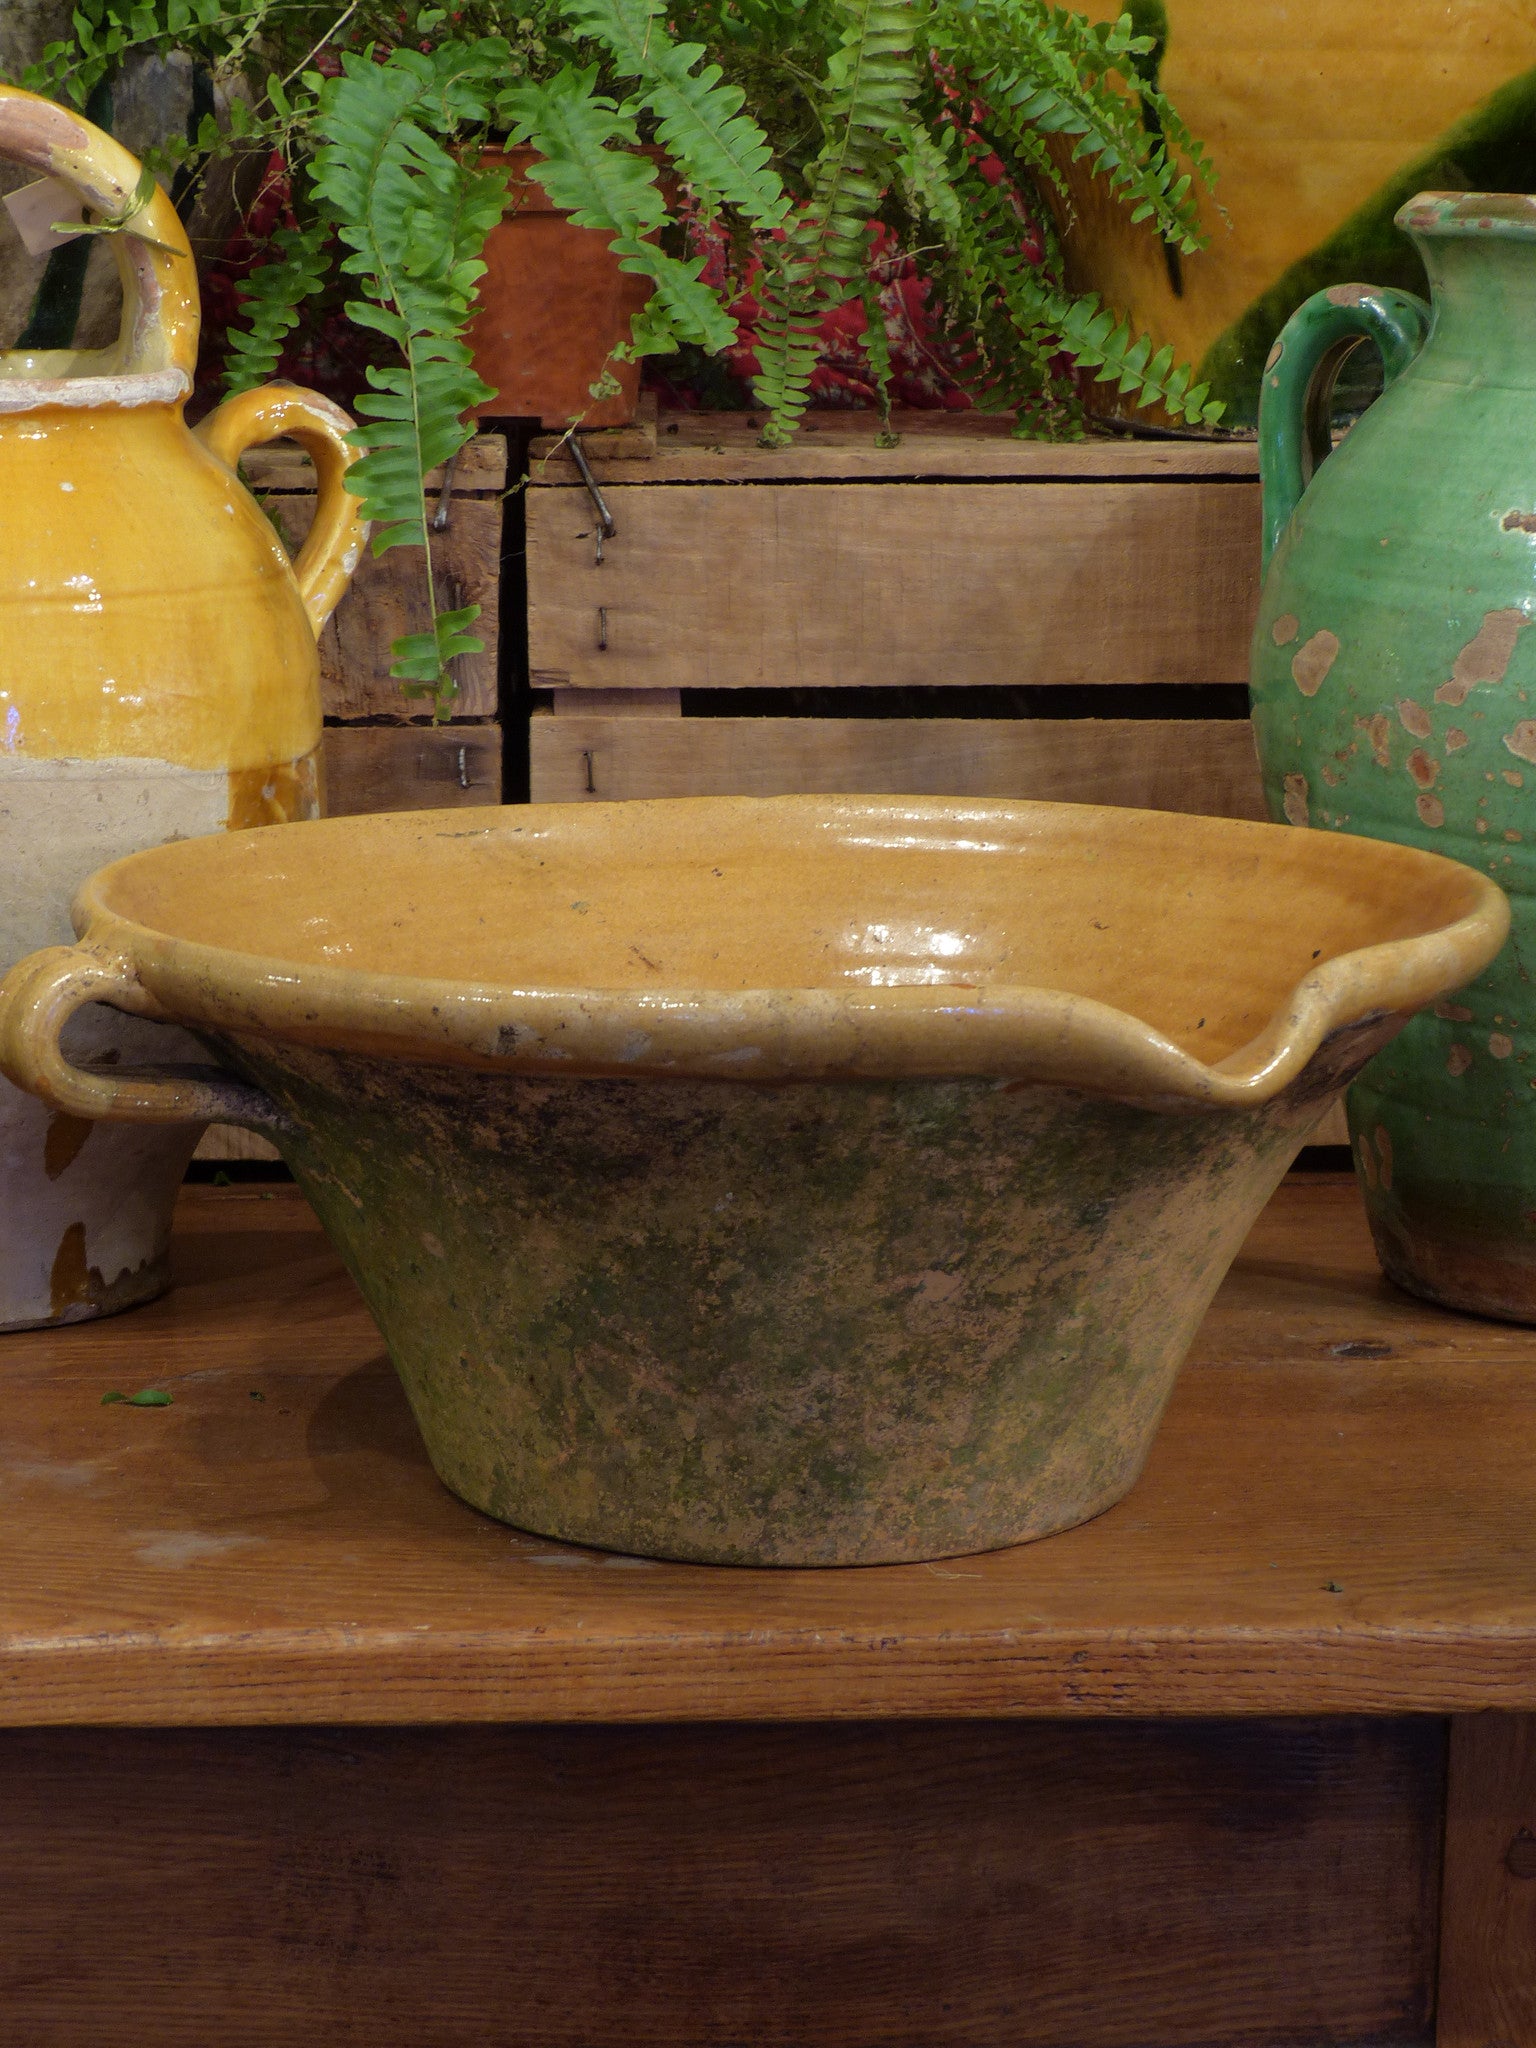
<point x="801" y="1181"/>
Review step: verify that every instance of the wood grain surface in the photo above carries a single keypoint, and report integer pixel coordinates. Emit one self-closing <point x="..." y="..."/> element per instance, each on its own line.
<point x="1339" y="1515"/>
<point x="978" y="1885"/>
<point x="909" y="584"/>
<point x="1202" y="765"/>
<point x="282" y="467"/>
<point x="410" y="767"/>
<point x="227" y="1141"/>
<point x="1488" y="1928"/>
<point x="726" y="448"/>
<point x="386" y="597"/>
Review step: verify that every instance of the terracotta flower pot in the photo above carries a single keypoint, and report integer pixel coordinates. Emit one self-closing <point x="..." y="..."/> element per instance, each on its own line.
<point x="802" y="1181"/>
<point x="554" y="305"/>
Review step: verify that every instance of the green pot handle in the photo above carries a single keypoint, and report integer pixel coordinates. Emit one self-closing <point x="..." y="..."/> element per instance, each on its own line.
<point x="1295" y="397"/>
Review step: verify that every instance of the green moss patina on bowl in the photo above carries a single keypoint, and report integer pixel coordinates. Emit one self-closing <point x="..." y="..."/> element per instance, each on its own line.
<point x="811" y="1181"/>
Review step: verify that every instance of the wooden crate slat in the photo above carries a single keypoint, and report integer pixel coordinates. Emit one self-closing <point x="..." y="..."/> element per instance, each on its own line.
<point x="1201" y="765"/>
<point x="833" y="446"/>
<point x="387" y="598"/>
<point x="280" y="466"/>
<point x="227" y="1142"/>
<point x="410" y="768"/>
<point x="894" y="584"/>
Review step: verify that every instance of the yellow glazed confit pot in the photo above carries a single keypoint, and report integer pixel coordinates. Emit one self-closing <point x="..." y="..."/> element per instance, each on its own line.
<point x="1322" y="118"/>
<point x="800" y="1181"/>
<point x="158" y="679"/>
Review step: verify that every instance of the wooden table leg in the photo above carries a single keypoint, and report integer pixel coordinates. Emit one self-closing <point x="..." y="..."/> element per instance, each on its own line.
<point x="1488" y="1900"/>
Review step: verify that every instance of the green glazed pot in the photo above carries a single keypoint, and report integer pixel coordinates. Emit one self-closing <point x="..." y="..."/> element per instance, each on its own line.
<point x="1394" y="695"/>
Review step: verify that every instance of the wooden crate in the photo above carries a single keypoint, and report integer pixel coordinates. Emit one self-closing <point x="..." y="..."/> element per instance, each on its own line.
<point x="382" y="753"/>
<point x="385" y="598"/>
<point x="959" y="558"/>
<point x="410" y="768"/>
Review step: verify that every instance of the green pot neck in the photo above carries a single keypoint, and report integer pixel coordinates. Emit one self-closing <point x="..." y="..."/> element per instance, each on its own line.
<point x="1479" y="250"/>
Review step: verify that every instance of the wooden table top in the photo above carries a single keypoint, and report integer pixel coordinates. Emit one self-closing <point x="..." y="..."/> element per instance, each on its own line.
<point x="1339" y="1515"/>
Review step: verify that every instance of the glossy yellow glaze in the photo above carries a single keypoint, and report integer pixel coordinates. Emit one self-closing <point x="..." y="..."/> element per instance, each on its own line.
<point x="1307" y="110"/>
<point x="1133" y="953"/>
<point x="147" y="607"/>
<point x="148" y="610"/>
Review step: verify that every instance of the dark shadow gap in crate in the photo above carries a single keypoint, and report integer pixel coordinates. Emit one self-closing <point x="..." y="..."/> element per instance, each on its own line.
<point x="236" y="1172"/>
<point x="1325" y="1158"/>
<point x="514" y="695"/>
<point x="980" y="700"/>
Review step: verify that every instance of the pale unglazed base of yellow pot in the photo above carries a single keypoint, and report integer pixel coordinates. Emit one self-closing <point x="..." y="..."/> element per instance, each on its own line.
<point x="86" y="1208"/>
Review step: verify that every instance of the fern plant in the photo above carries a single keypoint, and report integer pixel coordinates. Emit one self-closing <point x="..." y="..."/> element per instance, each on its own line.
<point x="798" y="126"/>
<point x="804" y="122"/>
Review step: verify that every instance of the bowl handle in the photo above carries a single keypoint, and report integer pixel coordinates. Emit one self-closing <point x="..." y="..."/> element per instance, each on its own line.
<point x="37" y="999"/>
<point x="334" y="545"/>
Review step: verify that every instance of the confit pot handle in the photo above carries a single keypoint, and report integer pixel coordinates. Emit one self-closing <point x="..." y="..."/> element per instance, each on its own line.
<point x="37" y="999"/>
<point x="335" y="542"/>
<point x="154" y="258"/>
<point x="1296" y="392"/>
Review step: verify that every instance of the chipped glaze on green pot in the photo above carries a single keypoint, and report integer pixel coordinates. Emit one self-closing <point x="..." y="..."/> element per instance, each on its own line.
<point x="848" y="1323"/>
<point x="1394" y="694"/>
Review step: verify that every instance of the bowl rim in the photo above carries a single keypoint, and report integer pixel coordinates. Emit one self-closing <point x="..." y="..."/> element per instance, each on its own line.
<point x="1006" y="1032"/>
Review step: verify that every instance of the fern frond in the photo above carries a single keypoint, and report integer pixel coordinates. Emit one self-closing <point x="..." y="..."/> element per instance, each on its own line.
<point x="271" y="297"/>
<point x="926" y="166"/>
<point x="422" y="659"/>
<point x="1042" y="70"/>
<point x="1097" y="341"/>
<point x="877" y="352"/>
<point x="415" y="219"/>
<point x="788" y="346"/>
<point x="722" y="152"/>
<point x="106" y="33"/>
<point x="1020" y="318"/>
<point x="871" y="77"/>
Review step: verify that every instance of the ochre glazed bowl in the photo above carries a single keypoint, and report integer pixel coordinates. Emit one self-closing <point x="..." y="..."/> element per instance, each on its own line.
<point x="802" y="1181"/>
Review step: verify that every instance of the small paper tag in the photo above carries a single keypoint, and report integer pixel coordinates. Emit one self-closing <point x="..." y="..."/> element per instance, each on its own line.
<point x="35" y="208"/>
